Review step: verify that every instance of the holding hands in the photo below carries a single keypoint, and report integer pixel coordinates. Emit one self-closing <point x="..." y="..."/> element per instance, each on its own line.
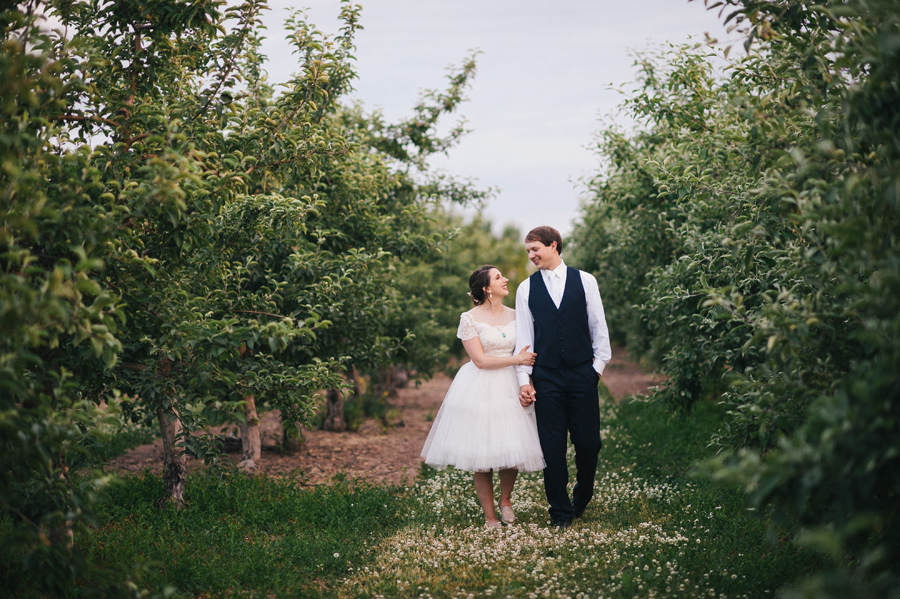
<point x="526" y="392"/>
<point x="527" y="395"/>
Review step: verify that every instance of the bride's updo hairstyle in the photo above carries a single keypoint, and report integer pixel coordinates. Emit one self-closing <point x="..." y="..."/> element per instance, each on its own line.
<point x="480" y="279"/>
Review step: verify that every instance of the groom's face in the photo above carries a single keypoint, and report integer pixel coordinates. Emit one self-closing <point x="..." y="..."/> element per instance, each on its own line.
<point x="542" y="256"/>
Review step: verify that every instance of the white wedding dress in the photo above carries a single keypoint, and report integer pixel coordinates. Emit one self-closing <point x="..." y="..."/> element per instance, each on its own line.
<point x="481" y="426"/>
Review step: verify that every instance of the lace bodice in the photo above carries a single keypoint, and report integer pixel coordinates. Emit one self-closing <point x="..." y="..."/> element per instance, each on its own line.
<point x="495" y="340"/>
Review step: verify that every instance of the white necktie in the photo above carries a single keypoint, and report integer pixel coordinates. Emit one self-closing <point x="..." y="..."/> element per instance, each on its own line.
<point x="556" y="291"/>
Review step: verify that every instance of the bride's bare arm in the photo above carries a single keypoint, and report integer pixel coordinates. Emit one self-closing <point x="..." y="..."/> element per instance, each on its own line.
<point x="476" y="354"/>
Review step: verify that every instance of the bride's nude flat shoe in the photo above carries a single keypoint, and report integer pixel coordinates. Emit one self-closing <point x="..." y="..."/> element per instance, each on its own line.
<point x="507" y="514"/>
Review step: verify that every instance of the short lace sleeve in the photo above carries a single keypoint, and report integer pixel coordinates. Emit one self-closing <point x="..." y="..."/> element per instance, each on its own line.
<point x="467" y="328"/>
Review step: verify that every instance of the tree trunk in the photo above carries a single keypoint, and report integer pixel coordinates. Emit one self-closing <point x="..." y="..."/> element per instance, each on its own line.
<point x="61" y="533"/>
<point x="334" y="414"/>
<point x="173" y="465"/>
<point x="385" y="382"/>
<point x="291" y="437"/>
<point x="391" y="378"/>
<point x="251" y="446"/>
<point x="358" y="383"/>
<point x="401" y="378"/>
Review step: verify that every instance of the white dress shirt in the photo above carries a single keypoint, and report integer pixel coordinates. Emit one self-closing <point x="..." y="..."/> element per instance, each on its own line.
<point x="555" y="280"/>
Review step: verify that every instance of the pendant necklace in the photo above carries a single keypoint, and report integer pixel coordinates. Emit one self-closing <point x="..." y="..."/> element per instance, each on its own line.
<point x="491" y="315"/>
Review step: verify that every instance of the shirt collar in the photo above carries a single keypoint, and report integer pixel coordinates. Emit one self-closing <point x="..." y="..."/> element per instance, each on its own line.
<point x="559" y="272"/>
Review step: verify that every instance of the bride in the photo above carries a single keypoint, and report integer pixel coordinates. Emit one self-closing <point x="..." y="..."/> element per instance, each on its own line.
<point x="481" y="427"/>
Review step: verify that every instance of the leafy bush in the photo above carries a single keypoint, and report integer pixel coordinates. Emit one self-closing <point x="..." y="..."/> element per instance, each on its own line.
<point x="174" y="231"/>
<point x="750" y="230"/>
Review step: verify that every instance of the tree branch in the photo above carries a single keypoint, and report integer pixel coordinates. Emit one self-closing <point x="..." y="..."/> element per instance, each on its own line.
<point x="230" y="65"/>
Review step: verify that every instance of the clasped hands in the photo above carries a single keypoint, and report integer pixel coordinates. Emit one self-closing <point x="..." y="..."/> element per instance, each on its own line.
<point x="527" y="395"/>
<point x="526" y="392"/>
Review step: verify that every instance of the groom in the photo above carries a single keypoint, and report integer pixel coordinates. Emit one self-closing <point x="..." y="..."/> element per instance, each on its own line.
<point x="560" y="314"/>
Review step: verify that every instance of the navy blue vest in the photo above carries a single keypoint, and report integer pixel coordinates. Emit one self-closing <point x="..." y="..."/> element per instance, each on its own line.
<point x="561" y="335"/>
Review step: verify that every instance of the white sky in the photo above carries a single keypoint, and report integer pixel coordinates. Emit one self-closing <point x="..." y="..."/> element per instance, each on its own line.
<point x="548" y="72"/>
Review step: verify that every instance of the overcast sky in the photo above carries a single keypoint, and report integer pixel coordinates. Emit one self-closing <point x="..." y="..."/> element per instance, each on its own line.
<point x="548" y="71"/>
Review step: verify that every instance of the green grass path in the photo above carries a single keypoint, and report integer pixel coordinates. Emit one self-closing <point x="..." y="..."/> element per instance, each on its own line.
<point x="652" y="531"/>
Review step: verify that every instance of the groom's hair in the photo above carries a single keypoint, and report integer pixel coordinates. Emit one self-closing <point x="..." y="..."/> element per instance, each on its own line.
<point x="546" y="235"/>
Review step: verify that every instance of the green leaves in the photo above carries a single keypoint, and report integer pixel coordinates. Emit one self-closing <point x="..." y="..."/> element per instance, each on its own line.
<point x="751" y="230"/>
<point x="173" y="230"/>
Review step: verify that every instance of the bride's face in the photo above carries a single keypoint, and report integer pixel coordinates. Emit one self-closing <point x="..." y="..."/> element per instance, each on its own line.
<point x="497" y="287"/>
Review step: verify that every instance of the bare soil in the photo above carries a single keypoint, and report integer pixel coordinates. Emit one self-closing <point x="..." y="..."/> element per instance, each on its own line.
<point x="379" y="451"/>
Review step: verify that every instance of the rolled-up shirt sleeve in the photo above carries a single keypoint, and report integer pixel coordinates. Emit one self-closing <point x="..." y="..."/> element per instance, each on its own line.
<point x="596" y="322"/>
<point x="524" y="328"/>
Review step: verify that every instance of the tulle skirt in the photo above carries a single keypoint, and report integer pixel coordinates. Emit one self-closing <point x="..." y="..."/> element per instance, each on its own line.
<point x="481" y="426"/>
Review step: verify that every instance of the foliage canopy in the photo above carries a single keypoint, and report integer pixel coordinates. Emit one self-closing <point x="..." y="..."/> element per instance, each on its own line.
<point x="176" y="234"/>
<point x="751" y="229"/>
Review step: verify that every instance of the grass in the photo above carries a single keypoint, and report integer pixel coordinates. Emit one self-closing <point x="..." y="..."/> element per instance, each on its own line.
<point x="652" y="531"/>
<point x="245" y="536"/>
<point x="251" y="534"/>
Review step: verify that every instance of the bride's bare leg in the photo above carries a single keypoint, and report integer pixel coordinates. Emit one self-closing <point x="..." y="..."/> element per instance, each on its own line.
<point x="507" y="482"/>
<point x="484" y="488"/>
